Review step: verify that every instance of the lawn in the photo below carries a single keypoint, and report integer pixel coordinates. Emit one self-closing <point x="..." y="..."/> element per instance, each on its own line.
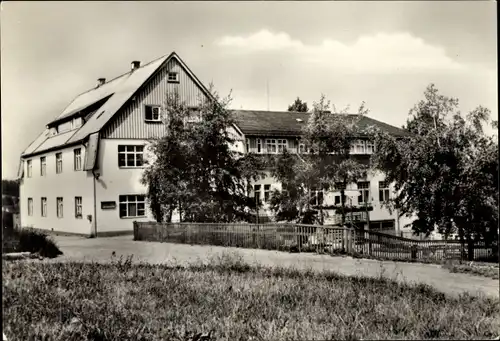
<point x="126" y="301"/>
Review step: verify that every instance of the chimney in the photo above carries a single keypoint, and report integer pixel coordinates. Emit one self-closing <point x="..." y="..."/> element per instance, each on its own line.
<point x="135" y="65"/>
<point x="100" y="81"/>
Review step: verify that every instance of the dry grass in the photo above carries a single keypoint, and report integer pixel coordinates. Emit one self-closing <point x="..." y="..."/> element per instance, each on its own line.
<point x="235" y="300"/>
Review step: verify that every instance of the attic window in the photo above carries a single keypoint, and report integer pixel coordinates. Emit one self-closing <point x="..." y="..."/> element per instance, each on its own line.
<point x="152" y="113"/>
<point x="173" y="77"/>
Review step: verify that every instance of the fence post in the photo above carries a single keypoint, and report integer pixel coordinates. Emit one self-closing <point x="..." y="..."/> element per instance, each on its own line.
<point x="136" y="230"/>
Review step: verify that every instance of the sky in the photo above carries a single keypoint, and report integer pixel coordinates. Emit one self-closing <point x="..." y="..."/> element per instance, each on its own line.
<point x="265" y="53"/>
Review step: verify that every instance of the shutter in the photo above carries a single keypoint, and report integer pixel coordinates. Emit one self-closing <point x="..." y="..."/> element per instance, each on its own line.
<point x="253" y="142"/>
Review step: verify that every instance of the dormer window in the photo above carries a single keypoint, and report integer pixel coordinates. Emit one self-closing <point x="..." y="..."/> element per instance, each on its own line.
<point x="77" y="122"/>
<point x="173" y="77"/>
<point x="152" y="113"/>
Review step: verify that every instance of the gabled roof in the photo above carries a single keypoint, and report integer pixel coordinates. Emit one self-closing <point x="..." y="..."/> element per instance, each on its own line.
<point x="290" y="123"/>
<point x="119" y="90"/>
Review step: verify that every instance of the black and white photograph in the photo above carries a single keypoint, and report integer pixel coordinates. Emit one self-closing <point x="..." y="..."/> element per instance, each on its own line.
<point x="249" y="170"/>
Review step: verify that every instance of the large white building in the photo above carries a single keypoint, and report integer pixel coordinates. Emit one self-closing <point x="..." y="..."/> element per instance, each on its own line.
<point x="82" y="174"/>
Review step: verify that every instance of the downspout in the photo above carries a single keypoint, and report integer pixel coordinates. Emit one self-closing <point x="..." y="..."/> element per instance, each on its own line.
<point x="94" y="233"/>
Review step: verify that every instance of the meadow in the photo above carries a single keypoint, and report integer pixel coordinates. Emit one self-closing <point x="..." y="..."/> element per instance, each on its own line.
<point x="228" y="299"/>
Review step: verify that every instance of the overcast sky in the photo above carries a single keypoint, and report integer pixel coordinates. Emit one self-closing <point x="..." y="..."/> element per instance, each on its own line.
<point x="383" y="53"/>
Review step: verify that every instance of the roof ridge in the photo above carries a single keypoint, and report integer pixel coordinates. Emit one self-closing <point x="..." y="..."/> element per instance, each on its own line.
<point x="123" y="74"/>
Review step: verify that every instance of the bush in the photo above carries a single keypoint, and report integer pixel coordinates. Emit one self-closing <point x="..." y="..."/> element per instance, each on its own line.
<point x="28" y="240"/>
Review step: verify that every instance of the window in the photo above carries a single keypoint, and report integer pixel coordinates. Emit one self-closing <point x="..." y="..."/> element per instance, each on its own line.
<point x="173" y="77"/>
<point x="43" y="166"/>
<point x="282" y="145"/>
<point x="248" y="145"/>
<point x="370" y="147"/>
<point x="59" y="163"/>
<point x="29" y="167"/>
<point x="30" y="206"/>
<point x="267" y="192"/>
<point x="130" y="156"/>
<point x="316" y="197"/>
<point x="364" y="192"/>
<point x="259" y="145"/>
<point x="78" y="207"/>
<point x="77" y="122"/>
<point x="256" y="191"/>
<point x="64" y="127"/>
<point x="337" y="200"/>
<point x="303" y="149"/>
<point x="360" y="147"/>
<point x="152" y="113"/>
<point x="276" y="145"/>
<point x="59" y="207"/>
<point x="44" y="207"/>
<point x="77" y="154"/>
<point x="383" y="191"/>
<point x="132" y="206"/>
<point x="271" y="146"/>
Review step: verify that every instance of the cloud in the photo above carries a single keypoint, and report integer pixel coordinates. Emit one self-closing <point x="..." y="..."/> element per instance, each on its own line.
<point x="377" y="53"/>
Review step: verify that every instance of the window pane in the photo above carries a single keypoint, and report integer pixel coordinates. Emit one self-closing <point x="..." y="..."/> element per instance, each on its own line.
<point x="149" y="112"/>
<point x="123" y="210"/>
<point x="132" y="210"/>
<point x="139" y="160"/>
<point x="121" y="148"/>
<point x="121" y="160"/>
<point x="130" y="160"/>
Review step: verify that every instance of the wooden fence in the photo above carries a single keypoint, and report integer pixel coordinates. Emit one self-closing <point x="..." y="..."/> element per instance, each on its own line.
<point x="311" y="238"/>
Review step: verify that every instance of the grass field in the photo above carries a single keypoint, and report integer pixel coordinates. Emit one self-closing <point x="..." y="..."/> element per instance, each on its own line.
<point x="236" y="301"/>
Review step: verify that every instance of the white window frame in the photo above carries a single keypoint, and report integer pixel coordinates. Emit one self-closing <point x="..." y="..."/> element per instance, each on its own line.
<point x="303" y="148"/>
<point x="43" y="207"/>
<point x="29" y="168"/>
<point x="314" y="197"/>
<point x="30" y="207"/>
<point x="77" y="159"/>
<point x="364" y="192"/>
<point x="272" y="146"/>
<point x="384" y="191"/>
<point x="256" y="193"/>
<point x="174" y="79"/>
<point x="281" y="144"/>
<point x="59" y="207"/>
<point x="134" y="150"/>
<point x="360" y="147"/>
<point x="259" y="146"/>
<point x="77" y="123"/>
<point x="267" y="192"/>
<point x="43" y="166"/>
<point x="155" y="113"/>
<point x="127" y="201"/>
<point x="370" y="147"/>
<point x="78" y="207"/>
<point x="59" y="163"/>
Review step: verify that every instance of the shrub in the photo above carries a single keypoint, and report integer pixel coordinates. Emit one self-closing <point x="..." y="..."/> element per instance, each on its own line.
<point x="28" y="240"/>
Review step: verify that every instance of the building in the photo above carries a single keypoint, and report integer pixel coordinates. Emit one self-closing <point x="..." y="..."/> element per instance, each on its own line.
<point x="269" y="132"/>
<point x="82" y="174"/>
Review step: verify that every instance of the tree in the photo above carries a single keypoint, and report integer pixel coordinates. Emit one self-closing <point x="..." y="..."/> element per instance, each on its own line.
<point x="446" y="171"/>
<point x="195" y="170"/>
<point x="328" y="135"/>
<point x="298" y="105"/>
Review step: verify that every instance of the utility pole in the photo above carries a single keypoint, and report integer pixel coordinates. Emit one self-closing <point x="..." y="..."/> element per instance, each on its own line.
<point x="267" y="89"/>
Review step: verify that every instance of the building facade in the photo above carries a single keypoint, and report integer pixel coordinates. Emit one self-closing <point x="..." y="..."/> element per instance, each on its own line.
<point x="82" y="175"/>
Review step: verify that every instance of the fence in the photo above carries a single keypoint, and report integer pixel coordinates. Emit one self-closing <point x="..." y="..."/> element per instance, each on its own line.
<point x="311" y="238"/>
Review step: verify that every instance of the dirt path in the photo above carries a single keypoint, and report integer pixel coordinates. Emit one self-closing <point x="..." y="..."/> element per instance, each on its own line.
<point x="100" y="250"/>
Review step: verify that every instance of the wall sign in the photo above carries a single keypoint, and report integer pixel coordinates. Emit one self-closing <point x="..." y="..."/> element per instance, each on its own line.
<point x="108" y="205"/>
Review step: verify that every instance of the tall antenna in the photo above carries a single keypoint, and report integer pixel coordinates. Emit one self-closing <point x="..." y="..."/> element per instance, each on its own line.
<point x="267" y="85"/>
